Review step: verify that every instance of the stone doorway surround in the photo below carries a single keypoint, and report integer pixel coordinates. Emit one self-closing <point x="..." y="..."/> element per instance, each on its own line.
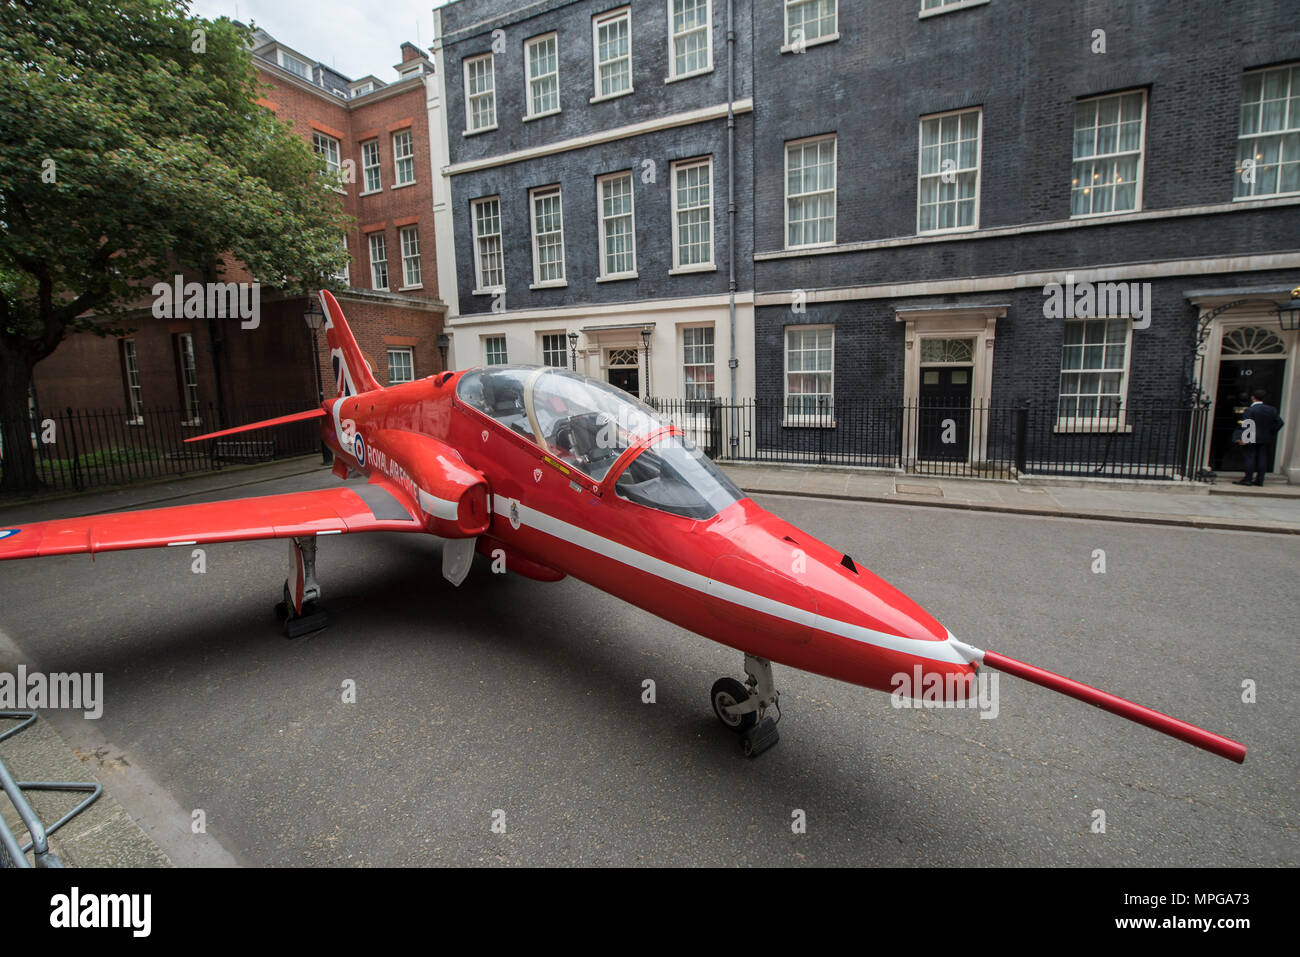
<point x="978" y="322"/>
<point x="1286" y="457"/>
<point x="601" y="340"/>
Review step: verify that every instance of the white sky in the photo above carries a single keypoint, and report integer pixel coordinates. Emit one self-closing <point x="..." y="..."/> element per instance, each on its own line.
<point x="355" y="37"/>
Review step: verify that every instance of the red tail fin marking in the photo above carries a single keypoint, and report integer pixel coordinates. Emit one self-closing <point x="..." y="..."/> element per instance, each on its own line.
<point x="351" y="371"/>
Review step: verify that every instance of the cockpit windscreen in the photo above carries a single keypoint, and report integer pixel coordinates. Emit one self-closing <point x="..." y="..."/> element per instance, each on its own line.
<point x="674" y="476"/>
<point x="582" y="422"/>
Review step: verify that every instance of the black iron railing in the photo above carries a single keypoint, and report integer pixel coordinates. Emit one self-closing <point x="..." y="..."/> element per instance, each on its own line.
<point x="950" y="438"/>
<point x="79" y="449"/>
<point x="82" y="449"/>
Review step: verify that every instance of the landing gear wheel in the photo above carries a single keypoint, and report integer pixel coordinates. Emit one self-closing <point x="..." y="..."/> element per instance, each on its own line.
<point x="726" y="693"/>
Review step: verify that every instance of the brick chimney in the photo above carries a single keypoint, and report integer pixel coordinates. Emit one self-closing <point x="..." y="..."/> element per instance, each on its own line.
<point x="410" y="52"/>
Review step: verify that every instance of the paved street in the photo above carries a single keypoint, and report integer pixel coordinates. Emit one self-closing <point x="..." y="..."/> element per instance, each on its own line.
<point x="523" y="697"/>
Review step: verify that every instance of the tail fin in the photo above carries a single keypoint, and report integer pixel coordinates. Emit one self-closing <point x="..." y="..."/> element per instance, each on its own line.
<point x="351" y="371"/>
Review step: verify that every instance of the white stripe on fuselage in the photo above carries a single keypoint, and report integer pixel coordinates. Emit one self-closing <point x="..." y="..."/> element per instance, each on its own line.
<point x="441" y="508"/>
<point x="942" y="651"/>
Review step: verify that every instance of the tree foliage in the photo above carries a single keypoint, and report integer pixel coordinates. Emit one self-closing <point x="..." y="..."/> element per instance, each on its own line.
<point x="132" y="144"/>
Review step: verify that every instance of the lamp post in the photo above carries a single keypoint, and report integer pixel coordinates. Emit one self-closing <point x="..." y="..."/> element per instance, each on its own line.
<point x="645" y="343"/>
<point x="315" y="319"/>
<point x="1288" y="313"/>
<point x="573" y="351"/>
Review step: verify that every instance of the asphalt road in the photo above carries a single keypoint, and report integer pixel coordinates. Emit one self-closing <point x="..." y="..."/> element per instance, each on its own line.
<point x="507" y="695"/>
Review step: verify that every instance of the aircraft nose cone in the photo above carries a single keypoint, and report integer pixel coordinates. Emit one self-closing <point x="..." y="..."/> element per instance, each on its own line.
<point x="843" y="621"/>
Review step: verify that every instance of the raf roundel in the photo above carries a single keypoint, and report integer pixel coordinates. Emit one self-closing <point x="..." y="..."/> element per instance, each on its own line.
<point x="359" y="450"/>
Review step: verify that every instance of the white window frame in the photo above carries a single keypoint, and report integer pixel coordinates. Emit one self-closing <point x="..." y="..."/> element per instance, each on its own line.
<point x="713" y="364"/>
<point x="408" y="241"/>
<point x="677" y="268"/>
<point x="599" y="20"/>
<point x="189" y="369"/>
<point x="325" y="147"/>
<point x="288" y="58"/>
<point x="480" y="287"/>
<point x="979" y="168"/>
<point x="1095" y="423"/>
<point x="801" y="418"/>
<point x="488" y="343"/>
<point x="539" y="192"/>
<point x="1291" y="129"/>
<point x="1141" y="153"/>
<point x="343" y="276"/>
<point x="367" y="168"/>
<point x="134" y="393"/>
<point x="399" y="157"/>
<point x="673" y="75"/>
<point x="374" y="262"/>
<point x="601" y="224"/>
<point x="789" y="46"/>
<point x="529" y="79"/>
<point x="490" y="93"/>
<point x="947" y="6"/>
<point x="834" y="191"/>
<point x="409" y="353"/>
<point x="563" y="338"/>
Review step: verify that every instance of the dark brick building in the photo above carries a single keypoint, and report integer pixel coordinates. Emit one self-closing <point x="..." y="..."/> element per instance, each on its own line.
<point x="918" y="188"/>
<point x="967" y="155"/>
<point x="586" y="190"/>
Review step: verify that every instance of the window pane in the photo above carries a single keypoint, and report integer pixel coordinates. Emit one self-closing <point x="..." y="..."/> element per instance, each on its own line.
<point x="612" y="57"/>
<point x="548" y="236"/>
<point x="810" y="203"/>
<point x="949" y="169"/>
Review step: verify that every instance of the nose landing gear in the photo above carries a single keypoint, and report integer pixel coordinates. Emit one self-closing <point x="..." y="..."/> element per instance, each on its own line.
<point x="743" y="708"/>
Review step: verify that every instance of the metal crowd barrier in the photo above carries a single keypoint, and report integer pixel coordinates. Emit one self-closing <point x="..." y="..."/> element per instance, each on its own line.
<point x="12" y="854"/>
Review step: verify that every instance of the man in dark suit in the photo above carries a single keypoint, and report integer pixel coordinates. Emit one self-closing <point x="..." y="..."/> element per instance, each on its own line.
<point x="1260" y="424"/>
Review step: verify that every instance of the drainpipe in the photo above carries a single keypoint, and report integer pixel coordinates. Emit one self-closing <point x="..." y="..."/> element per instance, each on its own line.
<point x="216" y="343"/>
<point x="732" y="362"/>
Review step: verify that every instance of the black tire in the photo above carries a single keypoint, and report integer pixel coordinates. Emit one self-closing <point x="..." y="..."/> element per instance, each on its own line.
<point x="725" y="693"/>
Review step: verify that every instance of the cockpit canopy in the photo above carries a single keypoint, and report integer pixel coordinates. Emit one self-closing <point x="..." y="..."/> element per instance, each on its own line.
<point x="588" y="424"/>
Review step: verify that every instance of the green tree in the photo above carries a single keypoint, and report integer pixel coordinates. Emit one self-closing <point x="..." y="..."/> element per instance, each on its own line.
<point x="132" y="147"/>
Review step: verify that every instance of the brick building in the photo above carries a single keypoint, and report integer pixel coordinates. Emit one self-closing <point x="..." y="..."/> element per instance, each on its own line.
<point x="375" y="137"/>
<point x="585" y="198"/>
<point x="925" y="171"/>
<point x="912" y="180"/>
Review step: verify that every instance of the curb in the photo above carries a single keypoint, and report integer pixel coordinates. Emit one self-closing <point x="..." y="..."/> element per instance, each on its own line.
<point x="1132" y="518"/>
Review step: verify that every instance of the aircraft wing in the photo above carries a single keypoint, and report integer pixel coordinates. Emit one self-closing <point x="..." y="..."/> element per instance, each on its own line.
<point x="376" y="507"/>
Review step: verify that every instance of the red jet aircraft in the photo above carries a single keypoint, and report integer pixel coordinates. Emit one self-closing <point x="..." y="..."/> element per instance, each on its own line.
<point x="564" y="475"/>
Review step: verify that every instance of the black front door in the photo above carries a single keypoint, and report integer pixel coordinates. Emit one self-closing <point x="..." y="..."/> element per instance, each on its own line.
<point x="943" y="419"/>
<point x="1236" y="379"/>
<point x="626" y="379"/>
